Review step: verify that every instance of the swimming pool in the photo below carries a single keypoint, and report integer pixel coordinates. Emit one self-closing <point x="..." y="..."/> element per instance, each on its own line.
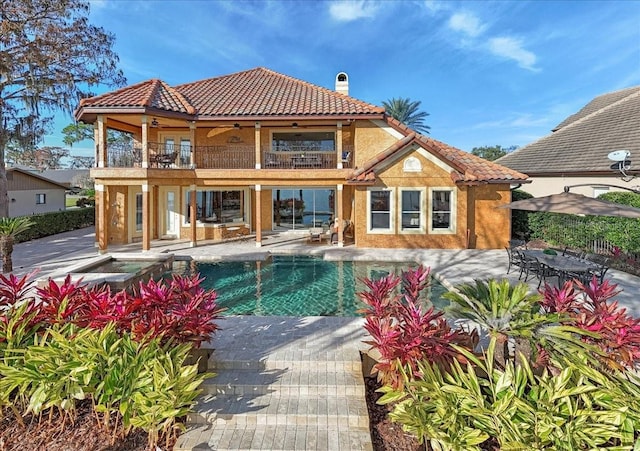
<point x="294" y="285"/>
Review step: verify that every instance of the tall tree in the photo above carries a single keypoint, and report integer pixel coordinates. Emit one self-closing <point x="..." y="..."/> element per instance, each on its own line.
<point x="492" y="153"/>
<point x="407" y="112"/>
<point x="78" y="131"/>
<point x="41" y="158"/>
<point x="50" y="57"/>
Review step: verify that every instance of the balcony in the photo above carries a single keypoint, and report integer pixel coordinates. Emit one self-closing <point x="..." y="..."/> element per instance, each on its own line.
<point x="232" y="156"/>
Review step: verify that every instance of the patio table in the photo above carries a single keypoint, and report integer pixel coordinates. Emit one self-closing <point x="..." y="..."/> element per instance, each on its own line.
<point x="562" y="264"/>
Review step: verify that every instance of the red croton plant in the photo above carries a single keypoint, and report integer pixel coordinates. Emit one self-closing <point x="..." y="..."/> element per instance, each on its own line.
<point x="403" y="331"/>
<point x="592" y="309"/>
<point x="178" y="309"/>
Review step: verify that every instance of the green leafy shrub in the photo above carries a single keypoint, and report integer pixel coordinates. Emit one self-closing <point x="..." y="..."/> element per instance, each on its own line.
<point x="558" y="372"/>
<point x="519" y="218"/>
<point x="580" y="232"/>
<point x="46" y="224"/>
<point x="576" y="408"/>
<point x="125" y="352"/>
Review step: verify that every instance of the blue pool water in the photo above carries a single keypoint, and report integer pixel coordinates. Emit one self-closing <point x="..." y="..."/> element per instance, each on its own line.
<point x="294" y="285"/>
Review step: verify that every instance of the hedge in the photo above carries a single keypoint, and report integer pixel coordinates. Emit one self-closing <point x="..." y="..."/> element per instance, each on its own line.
<point x="590" y="233"/>
<point x="57" y="222"/>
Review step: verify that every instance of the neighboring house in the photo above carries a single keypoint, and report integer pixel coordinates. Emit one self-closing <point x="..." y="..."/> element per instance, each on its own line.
<point x="258" y="151"/>
<point x="30" y="193"/>
<point x="575" y="153"/>
<point x="73" y="179"/>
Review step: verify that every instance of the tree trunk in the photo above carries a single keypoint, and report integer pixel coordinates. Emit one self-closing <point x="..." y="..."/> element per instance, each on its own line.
<point x="4" y="198"/>
<point x="6" y="248"/>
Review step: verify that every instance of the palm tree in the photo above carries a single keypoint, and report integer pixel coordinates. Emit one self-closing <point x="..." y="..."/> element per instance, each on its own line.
<point x="9" y="229"/>
<point x="406" y="111"/>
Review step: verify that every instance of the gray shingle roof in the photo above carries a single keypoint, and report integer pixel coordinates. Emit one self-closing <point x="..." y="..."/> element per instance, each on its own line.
<point x="582" y="142"/>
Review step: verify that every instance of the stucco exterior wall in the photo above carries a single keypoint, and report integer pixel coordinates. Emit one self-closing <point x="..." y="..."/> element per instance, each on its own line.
<point x="544" y="186"/>
<point x="23" y="203"/>
<point x="117" y="206"/>
<point x="489" y="226"/>
<point x="369" y="140"/>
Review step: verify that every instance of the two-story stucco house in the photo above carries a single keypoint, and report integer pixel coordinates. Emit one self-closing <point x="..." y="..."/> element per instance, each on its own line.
<point x="258" y="151"/>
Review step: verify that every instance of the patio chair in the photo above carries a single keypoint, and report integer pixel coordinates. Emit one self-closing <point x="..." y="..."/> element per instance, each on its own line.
<point x="574" y="253"/>
<point x="346" y="159"/>
<point x="515" y="259"/>
<point x="543" y="271"/>
<point x="528" y="265"/>
<point x="316" y="234"/>
<point x="517" y="244"/>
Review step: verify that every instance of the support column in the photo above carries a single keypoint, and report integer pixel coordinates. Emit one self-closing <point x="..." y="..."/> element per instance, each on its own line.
<point x="145" y="142"/>
<point x="339" y="145"/>
<point x="340" y="214"/>
<point x="101" y="223"/>
<point x="258" y="216"/>
<point x="192" y="213"/>
<point x="101" y="143"/>
<point x="192" y="142"/>
<point x="146" y="217"/>
<point x="257" y="139"/>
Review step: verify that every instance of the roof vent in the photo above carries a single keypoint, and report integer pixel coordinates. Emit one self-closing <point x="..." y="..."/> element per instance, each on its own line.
<point x="342" y="83"/>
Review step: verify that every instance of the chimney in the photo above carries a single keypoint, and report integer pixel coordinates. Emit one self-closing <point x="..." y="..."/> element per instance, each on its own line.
<point x="342" y="83"/>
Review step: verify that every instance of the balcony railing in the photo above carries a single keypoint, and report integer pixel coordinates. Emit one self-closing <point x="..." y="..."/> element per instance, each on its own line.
<point x="231" y="156"/>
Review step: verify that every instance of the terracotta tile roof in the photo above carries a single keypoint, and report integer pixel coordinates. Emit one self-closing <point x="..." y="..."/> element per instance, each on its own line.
<point x="467" y="168"/>
<point x="253" y="93"/>
<point x="152" y="93"/>
<point x="580" y="146"/>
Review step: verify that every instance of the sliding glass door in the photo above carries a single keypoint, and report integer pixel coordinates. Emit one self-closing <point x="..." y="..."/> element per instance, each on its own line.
<point x="299" y="209"/>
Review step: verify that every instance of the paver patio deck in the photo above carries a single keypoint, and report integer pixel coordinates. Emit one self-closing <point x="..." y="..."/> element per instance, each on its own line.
<point x="282" y="379"/>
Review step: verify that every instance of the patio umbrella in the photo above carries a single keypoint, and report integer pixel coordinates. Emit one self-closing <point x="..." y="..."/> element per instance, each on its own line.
<point x="574" y="204"/>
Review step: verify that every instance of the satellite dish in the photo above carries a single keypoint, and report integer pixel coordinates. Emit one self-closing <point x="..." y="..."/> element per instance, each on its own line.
<point x="619" y="155"/>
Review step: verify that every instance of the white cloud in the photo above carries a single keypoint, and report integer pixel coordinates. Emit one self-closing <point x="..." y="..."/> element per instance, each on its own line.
<point x="434" y="6"/>
<point x="511" y="48"/>
<point x="349" y="10"/>
<point x="466" y="23"/>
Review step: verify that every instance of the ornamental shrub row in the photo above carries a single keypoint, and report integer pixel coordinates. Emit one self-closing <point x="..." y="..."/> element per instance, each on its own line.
<point x="124" y="352"/>
<point x="557" y="370"/>
<point x="46" y="224"/>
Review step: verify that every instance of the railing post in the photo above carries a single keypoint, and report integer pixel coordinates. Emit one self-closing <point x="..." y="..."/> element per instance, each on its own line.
<point x="192" y="139"/>
<point x="257" y="146"/>
<point x="339" y="145"/>
<point x="101" y="142"/>
<point x="145" y="142"/>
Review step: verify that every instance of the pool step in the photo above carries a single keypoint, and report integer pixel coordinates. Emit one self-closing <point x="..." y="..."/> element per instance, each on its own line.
<point x="302" y="390"/>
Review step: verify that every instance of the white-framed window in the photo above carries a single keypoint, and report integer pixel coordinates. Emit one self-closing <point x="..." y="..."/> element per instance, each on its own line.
<point x="41" y="199"/>
<point x="442" y="210"/>
<point x="380" y="210"/>
<point x="138" y="212"/>
<point x="413" y="210"/>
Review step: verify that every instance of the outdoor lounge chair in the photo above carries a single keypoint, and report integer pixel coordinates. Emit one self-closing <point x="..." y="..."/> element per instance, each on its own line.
<point x="316" y="234"/>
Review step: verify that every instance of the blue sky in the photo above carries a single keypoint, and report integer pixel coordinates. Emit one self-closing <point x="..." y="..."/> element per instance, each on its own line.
<point x="487" y="72"/>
